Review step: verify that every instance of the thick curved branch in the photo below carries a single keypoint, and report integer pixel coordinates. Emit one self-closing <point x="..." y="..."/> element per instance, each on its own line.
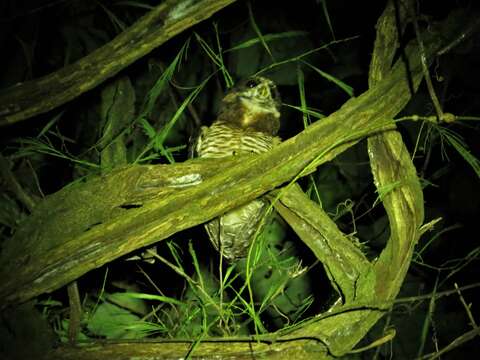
<point x="391" y="164"/>
<point x="48" y="254"/>
<point x="341" y="258"/>
<point x="168" y="19"/>
<point x="156" y="207"/>
<point x="244" y="349"/>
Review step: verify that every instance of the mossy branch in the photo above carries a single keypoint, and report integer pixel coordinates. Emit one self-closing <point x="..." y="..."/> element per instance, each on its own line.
<point x="168" y="19"/>
<point x="137" y="206"/>
<point x="86" y="225"/>
<point x="341" y="258"/>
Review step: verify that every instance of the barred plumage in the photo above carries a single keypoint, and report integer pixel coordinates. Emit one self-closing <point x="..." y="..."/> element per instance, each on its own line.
<point x="221" y="140"/>
<point x="247" y="123"/>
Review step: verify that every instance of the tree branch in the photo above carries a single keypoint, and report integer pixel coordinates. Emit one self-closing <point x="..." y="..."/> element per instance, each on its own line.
<point x="48" y="252"/>
<point x="168" y="19"/>
<point x="86" y="225"/>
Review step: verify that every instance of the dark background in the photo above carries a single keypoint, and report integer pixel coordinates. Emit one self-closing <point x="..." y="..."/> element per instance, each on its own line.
<point x="39" y="37"/>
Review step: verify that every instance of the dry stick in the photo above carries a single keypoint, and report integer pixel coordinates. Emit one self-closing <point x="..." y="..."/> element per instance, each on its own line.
<point x="14" y="186"/>
<point x="437" y="295"/>
<point x="467" y="307"/>
<point x="75" y="311"/>
<point x="469" y="335"/>
<point x="426" y="73"/>
<point x="463" y="36"/>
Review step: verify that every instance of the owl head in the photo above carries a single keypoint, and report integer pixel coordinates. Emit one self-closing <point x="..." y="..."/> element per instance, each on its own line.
<point x="253" y="104"/>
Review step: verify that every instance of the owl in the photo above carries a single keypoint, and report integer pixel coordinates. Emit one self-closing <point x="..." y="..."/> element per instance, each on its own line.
<point x="248" y="121"/>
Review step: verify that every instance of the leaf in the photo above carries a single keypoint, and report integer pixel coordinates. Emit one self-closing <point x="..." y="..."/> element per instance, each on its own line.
<point x="348" y="89"/>
<point x="267" y="38"/>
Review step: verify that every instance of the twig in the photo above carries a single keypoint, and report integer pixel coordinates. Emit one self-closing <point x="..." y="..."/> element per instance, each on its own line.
<point x="454" y="344"/>
<point x="426" y="73"/>
<point x="463" y="36"/>
<point x="14" y="185"/>
<point x="467" y="307"/>
<point x="75" y="312"/>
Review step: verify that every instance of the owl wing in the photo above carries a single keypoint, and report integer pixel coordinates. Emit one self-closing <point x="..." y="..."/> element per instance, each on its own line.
<point x="195" y="142"/>
<point x="232" y="233"/>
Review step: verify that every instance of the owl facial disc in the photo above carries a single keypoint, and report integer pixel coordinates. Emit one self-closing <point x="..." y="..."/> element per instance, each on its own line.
<point x="260" y="94"/>
<point x="252" y="105"/>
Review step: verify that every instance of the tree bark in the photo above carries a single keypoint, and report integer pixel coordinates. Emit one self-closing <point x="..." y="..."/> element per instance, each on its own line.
<point x="87" y="225"/>
<point x="168" y="19"/>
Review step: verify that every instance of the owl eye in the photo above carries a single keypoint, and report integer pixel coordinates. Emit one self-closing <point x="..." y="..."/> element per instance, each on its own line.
<point x="251" y="83"/>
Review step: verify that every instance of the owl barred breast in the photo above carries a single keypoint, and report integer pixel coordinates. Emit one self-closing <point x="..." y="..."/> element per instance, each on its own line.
<point x="248" y="121"/>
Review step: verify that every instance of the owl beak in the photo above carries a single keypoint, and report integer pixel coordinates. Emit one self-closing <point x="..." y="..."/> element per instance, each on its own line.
<point x="264" y="91"/>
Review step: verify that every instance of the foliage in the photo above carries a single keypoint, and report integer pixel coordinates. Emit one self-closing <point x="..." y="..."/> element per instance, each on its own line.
<point x="189" y="292"/>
